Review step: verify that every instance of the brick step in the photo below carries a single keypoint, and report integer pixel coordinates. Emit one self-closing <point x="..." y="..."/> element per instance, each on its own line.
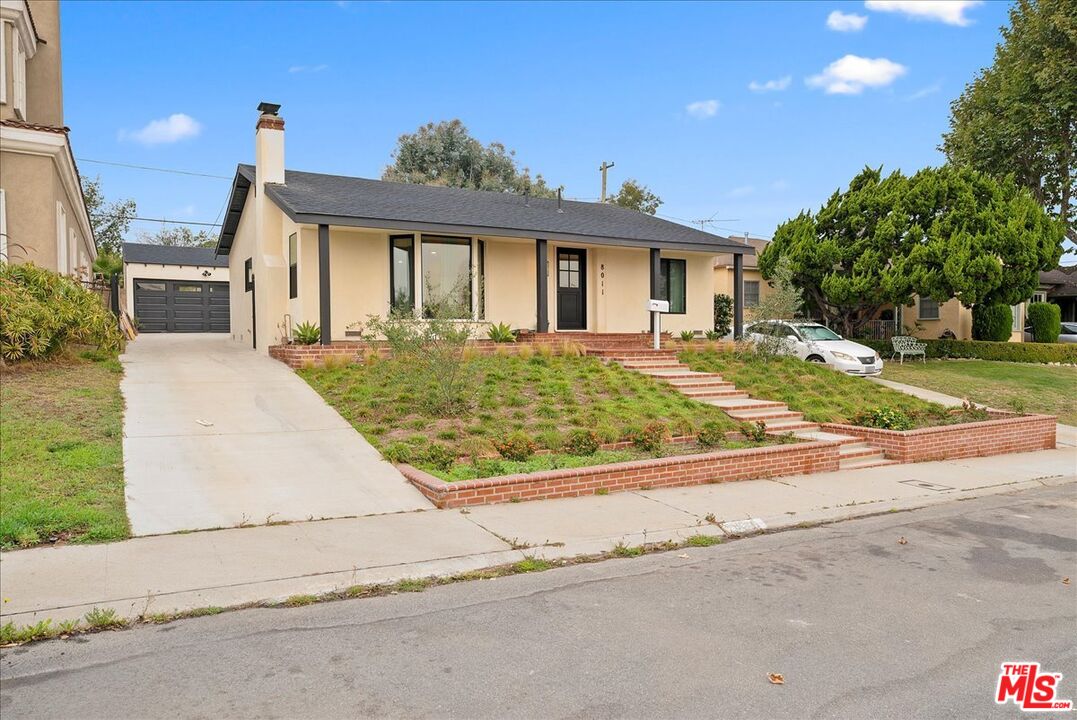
<point x="629" y="352"/>
<point x="692" y="383"/>
<point x="767" y="415"/>
<point x="653" y="366"/>
<point x="783" y="426"/>
<point x="717" y="393"/>
<point x="735" y="403"/>
<point x="680" y="375"/>
<point x="861" y="453"/>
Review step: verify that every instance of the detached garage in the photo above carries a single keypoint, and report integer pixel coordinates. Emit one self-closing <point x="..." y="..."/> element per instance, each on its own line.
<point x="176" y="289"/>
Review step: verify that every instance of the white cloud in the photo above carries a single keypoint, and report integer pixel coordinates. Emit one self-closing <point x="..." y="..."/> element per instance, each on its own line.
<point x="851" y="74"/>
<point x="925" y="91"/>
<point x="307" y="68"/>
<point x="846" y="22"/>
<point x="703" y="108"/>
<point x="742" y="191"/>
<point x="951" y="12"/>
<point x="770" y="85"/>
<point x="173" y="128"/>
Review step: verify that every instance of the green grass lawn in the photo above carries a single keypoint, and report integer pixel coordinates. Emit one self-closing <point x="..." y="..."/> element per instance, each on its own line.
<point x="61" y="453"/>
<point x="822" y="394"/>
<point x="1026" y="387"/>
<point x="545" y="397"/>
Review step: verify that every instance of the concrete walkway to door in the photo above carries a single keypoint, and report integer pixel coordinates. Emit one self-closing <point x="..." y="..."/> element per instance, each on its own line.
<point x="217" y="435"/>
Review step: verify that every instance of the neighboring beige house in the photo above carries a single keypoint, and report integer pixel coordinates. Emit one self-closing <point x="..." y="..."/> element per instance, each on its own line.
<point x="43" y="217"/>
<point x="755" y="287"/>
<point x="332" y="250"/>
<point x="175" y="289"/>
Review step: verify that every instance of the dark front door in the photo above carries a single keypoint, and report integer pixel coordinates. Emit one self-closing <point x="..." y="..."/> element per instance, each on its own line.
<point x="571" y="289"/>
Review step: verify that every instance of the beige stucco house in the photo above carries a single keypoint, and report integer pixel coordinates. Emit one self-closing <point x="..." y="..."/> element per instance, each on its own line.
<point x="755" y="287"/>
<point x="43" y="217"/>
<point x="332" y="250"/>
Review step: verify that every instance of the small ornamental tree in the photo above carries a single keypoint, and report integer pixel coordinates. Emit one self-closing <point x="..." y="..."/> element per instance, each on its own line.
<point x="723" y="314"/>
<point x="1046" y="321"/>
<point x="942" y="233"/>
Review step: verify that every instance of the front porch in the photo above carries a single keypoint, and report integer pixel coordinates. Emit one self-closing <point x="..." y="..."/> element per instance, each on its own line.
<point x="340" y="275"/>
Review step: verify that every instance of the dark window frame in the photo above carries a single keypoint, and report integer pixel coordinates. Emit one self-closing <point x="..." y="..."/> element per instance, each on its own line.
<point x="293" y="266"/>
<point x="663" y="284"/>
<point x="747" y="300"/>
<point x="920" y="309"/>
<point x="248" y="274"/>
<point x="393" y="307"/>
<point x="458" y="240"/>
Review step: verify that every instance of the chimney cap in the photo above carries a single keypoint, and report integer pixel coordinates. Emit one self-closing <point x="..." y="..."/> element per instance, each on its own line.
<point x="267" y="108"/>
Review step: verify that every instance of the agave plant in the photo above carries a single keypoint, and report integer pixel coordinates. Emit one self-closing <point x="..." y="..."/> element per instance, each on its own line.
<point x="501" y="333"/>
<point x="306" y="333"/>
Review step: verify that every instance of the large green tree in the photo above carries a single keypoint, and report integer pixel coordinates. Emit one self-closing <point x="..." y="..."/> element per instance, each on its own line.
<point x="944" y="233"/>
<point x="1019" y="116"/>
<point x="447" y="154"/>
<point x="634" y="195"/>
<point x="110" y="220"/>
<point x="179" y="235"/>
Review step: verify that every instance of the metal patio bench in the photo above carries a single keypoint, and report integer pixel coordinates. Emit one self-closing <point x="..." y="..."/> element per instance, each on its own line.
<point x="905" y="345"/>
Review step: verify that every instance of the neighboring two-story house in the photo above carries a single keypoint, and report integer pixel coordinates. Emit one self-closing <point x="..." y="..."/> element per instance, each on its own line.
<point x="43" y="217"/>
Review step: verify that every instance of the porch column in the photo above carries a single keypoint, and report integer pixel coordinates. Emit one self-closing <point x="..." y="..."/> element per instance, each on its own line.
<point x="541" y="288"/>
<point x="655" y="272"/>
<point x="324" y="311"/>
<point x="738" y="295"/>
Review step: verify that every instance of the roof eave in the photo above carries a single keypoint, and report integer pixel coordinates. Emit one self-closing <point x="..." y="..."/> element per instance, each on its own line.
<point x="237" y="199"/>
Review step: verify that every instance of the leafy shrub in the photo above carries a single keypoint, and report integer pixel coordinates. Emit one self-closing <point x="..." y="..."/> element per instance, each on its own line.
<point x="756" y="432"/>
<point x="41" y="312"/>
<point x="711" y="435"/>
<point x="723" y="314"/>
<point x="883" y="418"/>
<point x="501" y="333"/>
<point x="477" y="448"/>
<point x="439" y="456"/>
<point x="688" y="335"/>
<point x="651" y="437"/>
<point x="992" y="322"/>
<point x="516" y="446"/>
<point x="399" y="452"/>
<point x="306" y="333"/>
<point x="980" y="350"/>
<point x="581" y="442"/>
<point x="1046" y="321"/>
<point x="712" y="335"/>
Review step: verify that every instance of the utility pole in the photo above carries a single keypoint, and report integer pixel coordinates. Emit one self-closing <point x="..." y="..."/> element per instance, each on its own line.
<point x="603" y="168"/>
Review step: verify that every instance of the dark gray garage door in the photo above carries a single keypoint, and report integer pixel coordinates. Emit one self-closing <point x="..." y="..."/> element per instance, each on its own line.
<point x="181" y="306"/>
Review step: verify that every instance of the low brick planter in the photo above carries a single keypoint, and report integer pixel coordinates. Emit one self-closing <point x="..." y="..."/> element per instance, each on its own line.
<point x="721" y="466"/>
<point x="297" y="356"/>
<point x="1005" y="433"/>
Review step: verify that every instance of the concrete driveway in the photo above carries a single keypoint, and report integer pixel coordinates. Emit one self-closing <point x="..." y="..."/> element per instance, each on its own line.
<point x="217" y="435"/>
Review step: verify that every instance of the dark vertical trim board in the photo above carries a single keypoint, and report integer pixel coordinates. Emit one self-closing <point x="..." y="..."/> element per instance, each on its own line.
<point x="325" y="316"/>
<point x="542" y="291"/>
<point x="738" y="295"/>
<point x="656" y="280"/>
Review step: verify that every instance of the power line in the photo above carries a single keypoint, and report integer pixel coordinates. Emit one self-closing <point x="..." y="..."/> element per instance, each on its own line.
<point x="154" y="169"/>
<point x="159" y="220"/>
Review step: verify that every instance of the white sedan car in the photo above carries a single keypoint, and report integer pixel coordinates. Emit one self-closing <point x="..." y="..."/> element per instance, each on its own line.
<point x="818" y="343"/>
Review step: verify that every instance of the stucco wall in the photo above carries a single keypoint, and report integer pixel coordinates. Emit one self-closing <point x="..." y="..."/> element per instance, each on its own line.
<point x="510" y="283"/>
<point x="168" y="272"/>
<point x="239" y="298"/>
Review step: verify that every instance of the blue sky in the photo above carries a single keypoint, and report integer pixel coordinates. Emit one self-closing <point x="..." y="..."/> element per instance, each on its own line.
<point x="745" y="112"/>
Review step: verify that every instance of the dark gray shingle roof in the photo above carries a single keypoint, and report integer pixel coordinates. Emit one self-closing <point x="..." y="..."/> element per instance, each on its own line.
<point x="172" y="255"/>
<point x="339" y="200"/>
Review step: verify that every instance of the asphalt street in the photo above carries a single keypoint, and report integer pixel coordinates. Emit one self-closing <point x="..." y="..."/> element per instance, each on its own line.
<point x="859" y="623"/>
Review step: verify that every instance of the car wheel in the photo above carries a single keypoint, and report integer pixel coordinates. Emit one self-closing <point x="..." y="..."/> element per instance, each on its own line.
<point x="815" y="359"/>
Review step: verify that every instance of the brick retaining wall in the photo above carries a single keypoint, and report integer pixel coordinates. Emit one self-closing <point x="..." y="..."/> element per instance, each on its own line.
<point x="721" y="466"/>
<point x="1008" y="433"/>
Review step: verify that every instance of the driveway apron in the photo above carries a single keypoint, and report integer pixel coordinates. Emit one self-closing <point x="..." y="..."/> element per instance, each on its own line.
<point x="217" y="435"/>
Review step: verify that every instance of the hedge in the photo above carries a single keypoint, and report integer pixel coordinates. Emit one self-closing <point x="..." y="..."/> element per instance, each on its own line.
<point x="1046" y="321"/>
<point x="992" y="322"/>
<point x="981" y="350"/>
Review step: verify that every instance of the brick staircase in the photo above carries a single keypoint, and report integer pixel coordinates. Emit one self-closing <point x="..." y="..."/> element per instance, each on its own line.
<point x="712" y="389"/>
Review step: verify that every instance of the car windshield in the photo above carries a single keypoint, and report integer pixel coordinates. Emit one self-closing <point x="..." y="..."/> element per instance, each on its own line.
<point x="818" y="332"/>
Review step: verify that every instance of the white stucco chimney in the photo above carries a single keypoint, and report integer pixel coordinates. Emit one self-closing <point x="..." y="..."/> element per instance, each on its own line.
<point x="269" y="145"/>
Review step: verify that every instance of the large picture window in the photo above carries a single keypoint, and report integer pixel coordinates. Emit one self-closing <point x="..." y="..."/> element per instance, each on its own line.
<point x="672" y="284"/>
<point x="446" y="276"/>
<point x="402" y="272"/>
<point x="293" y="266"/>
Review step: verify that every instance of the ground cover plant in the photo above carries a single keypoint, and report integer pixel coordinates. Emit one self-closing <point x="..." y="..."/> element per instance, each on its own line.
<point x="822" y="394"/>
<point x="1049" y="389"/>
<point x="536" y="402"/>
<point x="61" y="452"/>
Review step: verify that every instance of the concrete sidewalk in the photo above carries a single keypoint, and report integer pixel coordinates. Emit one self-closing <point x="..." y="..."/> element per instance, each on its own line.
<point x="228" y="567"/>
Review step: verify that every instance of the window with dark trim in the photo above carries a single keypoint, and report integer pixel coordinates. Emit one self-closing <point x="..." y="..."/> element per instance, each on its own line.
<point x="751" y="293"/>
<point x="248" y="275"/>
<point x="293" y="266"/>
<point x="671" y="284"/>
<point x="929" y="309"/>
<point x="446" y="276"/>
<point x="402" y="273"/>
